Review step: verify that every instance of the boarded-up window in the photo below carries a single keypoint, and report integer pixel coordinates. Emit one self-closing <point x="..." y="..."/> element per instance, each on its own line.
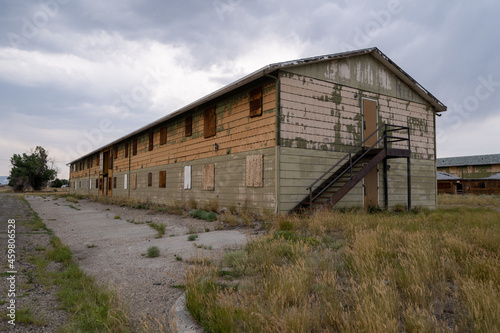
<point x="91" y="161"/>
<point x="163" y="179"/>
<point x="126" y="149"/>
<point x="163" y="135"/>
<point x="187" y="177"/>
<point x="125" y="183"/>
<point x="254" y="171"/>
<point x="208" y="178"/>
<point x="189" y="126"/>
<point x="114" y="182"/>
<point x="209" y="122"/>
<point x="256" y="102"/>
<point x="150" y="179"/>
<point x="97" y="160"/>
<point x="134" y="147"/>
<point x="115" y="152"/>
<point x="133" y="186"/>
<point x="111" y="159"/>
<point x="110" y="184"/>
<point x="151" y="140"/>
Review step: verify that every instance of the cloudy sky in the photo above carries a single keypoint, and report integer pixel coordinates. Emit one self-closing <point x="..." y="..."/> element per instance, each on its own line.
<point x="75" y="75"/>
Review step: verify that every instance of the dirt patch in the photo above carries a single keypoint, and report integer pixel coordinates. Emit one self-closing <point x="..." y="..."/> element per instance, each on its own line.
<point x="109" y="243"/>
<point x="38" y="299"/>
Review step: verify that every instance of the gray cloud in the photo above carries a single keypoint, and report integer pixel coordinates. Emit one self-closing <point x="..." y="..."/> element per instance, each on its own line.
<point x="66" y="65"/>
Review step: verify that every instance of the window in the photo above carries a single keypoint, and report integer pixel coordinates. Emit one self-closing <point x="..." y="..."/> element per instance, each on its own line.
<point x="115" y="152"/>
<point x="163" y="179"/>
<point x="209" y="122"/>
<point x="163" y="135"/>
<point x="189" y="125"/>
<point x="97" y="183"/>
<point x="134" y="181"/>
<point x="151" y="140"/>
<point x="126" y="149"/>
<point x="91" y="162"/>
<point x="134" y="147"/>
<point x="97" y="160"/>
<point x="256" y="102"/>
<point x="101" y="161"/>
<point x="125" y="181"/>
<point x="208" y="178"/>
<point x="114" y="182"/>
<point x="187" y="177"/>
<point x="150" y="179"/>
<point x="254" y="171"/>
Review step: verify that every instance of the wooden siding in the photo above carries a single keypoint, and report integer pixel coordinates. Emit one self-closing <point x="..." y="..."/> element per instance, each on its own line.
<point x="326" y="116"/>
<point x="229" y="182"/>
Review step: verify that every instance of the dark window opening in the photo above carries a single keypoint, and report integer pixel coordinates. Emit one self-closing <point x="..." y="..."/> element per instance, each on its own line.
<point x="126" y="149"/>
<point x="150" y="179"/>
<point x="151" y="140"/>
<point x="209" y="122"/>
<point x="134" y="147"/>
<point x="114" y="182"/>
<point x="115" y="152"/>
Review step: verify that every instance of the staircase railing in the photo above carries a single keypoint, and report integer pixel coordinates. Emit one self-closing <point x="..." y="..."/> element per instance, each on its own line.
<point x="385" y="138"/>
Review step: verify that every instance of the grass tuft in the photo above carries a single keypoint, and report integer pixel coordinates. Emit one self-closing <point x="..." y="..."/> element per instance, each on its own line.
<point x="153" y="252"/>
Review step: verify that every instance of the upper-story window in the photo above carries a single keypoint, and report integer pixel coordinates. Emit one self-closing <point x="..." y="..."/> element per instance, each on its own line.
<point x="163" y="135"/>
<point x="256" y="102"/>
<point x="134" y="147"/>
<point x="188" y="126"/>
<point x="151" y="140"/>
<point x="209" y="122"/>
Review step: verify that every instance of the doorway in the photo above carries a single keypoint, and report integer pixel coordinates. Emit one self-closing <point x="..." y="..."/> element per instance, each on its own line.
<point x="370" y="182"/>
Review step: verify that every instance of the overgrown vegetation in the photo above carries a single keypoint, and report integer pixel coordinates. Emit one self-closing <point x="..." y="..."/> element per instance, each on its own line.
<point x="425" y="271"/>
<point x="33" y="170"/>
<point x="92" y="307"/>
<point x="153" y="252"/>
<point x="203" y="215"/>
<point x="160" y="227"/>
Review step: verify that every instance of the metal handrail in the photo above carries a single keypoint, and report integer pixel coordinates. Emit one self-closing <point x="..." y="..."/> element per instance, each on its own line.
<point x="384" y="138"/>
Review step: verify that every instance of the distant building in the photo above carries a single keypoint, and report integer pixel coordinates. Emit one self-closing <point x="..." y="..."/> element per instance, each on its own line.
<point x="469" y="167"/>
<point x="329" y="123"/>
<point x="451" y="184"/>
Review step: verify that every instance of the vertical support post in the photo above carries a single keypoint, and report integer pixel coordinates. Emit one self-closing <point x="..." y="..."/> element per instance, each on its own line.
<point x="310" y="201"/>
<point x="386" y="185"/>
<point x="408" y="170"/>
<point x="350" y="164"/>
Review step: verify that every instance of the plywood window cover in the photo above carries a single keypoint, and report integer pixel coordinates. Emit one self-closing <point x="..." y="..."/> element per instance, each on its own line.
<point x="255" y="171"/>
<point x="134" y="147"/>
<point x="163" y="179"/>
<point x="209" y="122"/>
<point x="126" y="149"/>
<point x="256" y="102"/>
<point x="151" y="140"/>
<point x="133" y="186"/>
<point x="163" y="135"/>
<point x="189" y="125"/>
<point x="208" y="178"/>
<point x="115" y="152"/>
<point x="150" y="179"/>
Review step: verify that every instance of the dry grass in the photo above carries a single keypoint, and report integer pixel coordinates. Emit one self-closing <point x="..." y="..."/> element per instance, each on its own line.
<point x="433" y="271"/>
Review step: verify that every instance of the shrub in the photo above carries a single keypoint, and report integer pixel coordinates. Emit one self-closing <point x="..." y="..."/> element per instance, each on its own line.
<point x="192" y="237"/>
<point x="203" y="215"/>
<point x="153" y="252"/>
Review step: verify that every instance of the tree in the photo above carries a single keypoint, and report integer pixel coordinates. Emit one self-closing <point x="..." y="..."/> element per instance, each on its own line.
<point x="33" y="170"/>
<point x="56" y="183"/>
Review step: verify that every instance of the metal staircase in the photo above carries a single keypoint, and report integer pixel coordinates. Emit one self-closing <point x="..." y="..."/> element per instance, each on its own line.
<point x="336" y="182"/>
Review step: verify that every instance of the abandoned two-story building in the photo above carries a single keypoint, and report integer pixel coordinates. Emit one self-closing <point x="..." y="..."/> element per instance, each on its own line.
<point x="347" y="129"/>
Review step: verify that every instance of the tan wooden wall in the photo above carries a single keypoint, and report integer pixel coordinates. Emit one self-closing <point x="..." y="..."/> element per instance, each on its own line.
<point x="237" y="135"/>
<point x="318" y="115"/>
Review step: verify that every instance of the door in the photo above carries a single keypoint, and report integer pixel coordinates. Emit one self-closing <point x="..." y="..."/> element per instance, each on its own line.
<point x="369" y="121"/>
<point x="370" y="182"/>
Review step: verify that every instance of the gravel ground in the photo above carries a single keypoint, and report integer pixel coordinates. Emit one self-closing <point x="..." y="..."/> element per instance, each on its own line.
<point x="109" y="243"/>
<point x="40" y="300"/>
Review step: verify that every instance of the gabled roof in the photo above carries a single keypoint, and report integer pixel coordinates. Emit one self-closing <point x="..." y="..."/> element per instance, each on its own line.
<point x="446" y="176"/>
<point x="468" y="160"/>
<point x="495" y="176"/>
<point x="267" y="70"/>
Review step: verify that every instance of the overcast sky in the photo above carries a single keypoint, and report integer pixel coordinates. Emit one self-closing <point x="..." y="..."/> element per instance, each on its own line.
<point x="75" y="75"/>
